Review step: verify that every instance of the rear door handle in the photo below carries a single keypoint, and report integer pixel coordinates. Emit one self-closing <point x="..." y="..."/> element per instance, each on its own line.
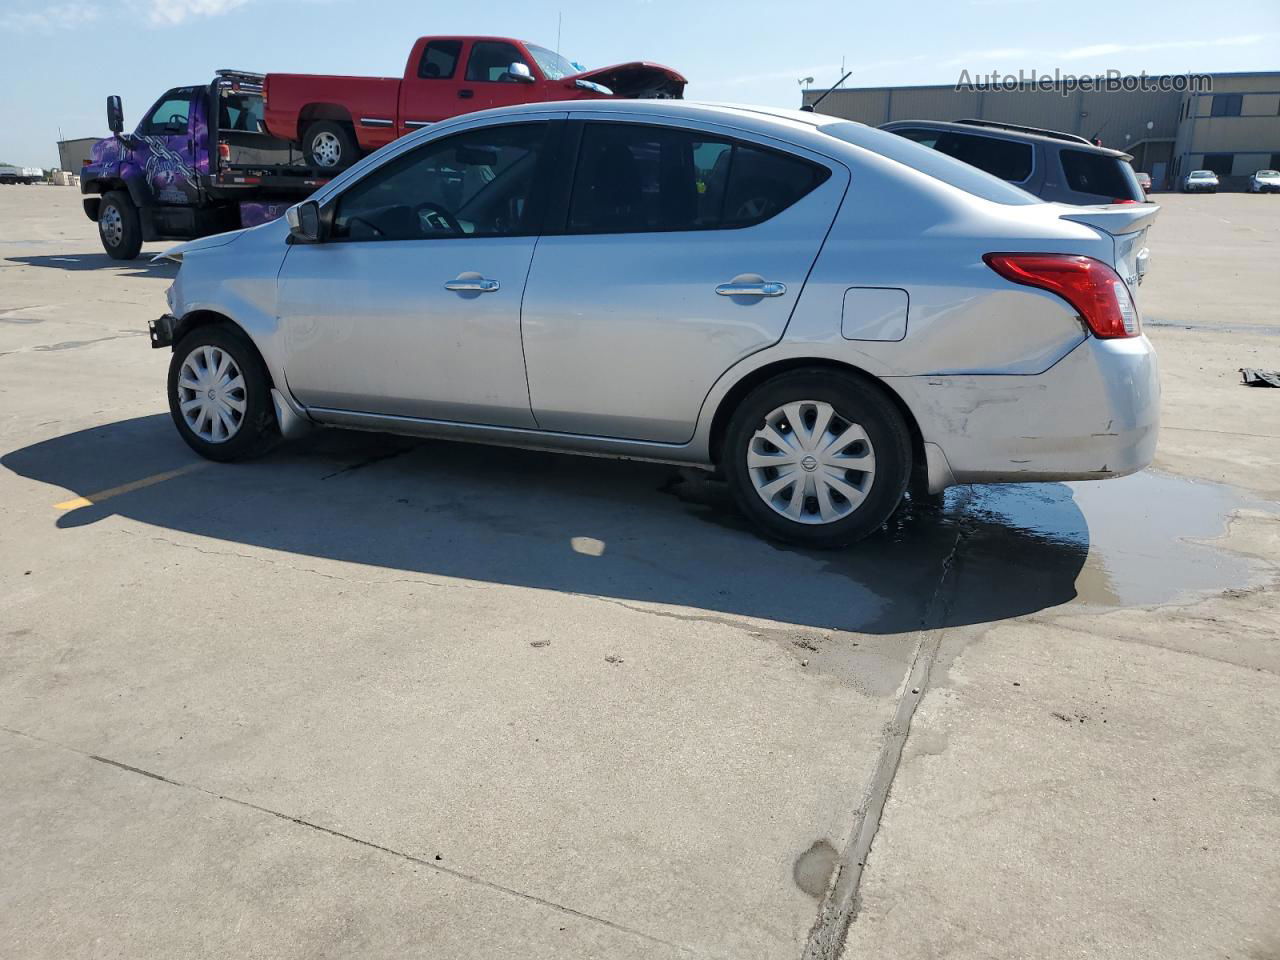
<point x="765" y="288"/>
<point x="473" y="285"/>
<point x="466" y="94"/>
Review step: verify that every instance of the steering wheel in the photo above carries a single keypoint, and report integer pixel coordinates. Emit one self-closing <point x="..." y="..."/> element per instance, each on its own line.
<point x="437" y="217"/>
<point x="176" y="120"/>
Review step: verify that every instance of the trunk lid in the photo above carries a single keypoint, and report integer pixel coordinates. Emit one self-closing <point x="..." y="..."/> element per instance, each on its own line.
<point x="1127" y="225"/>
<point x="636" y="80"/>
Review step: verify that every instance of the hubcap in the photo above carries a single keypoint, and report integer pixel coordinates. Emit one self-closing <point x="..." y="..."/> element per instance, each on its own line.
<point x="211" y="394"/>
<point x="326" y="148"/>
<point x="809" y="463"/>
<point x="111" y="224"/>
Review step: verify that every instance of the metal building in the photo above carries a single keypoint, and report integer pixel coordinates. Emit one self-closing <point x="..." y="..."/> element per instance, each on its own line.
<point x="1231" y="127"/>
<point x="74" y="154"/>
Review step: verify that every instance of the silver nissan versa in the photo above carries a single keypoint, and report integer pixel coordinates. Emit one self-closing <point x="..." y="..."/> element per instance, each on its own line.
<point x="823" y="311"/>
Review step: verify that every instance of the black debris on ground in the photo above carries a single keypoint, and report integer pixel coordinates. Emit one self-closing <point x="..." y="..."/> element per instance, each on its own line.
<point x="1260" y="378"/>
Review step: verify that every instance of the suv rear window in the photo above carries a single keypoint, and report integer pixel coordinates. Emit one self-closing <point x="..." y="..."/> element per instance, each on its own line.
<point x="1006" y="159"/>
<point x="1100" y="174"/>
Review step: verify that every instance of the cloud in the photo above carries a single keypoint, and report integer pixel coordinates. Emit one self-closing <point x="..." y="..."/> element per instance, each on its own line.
<point x="57" y="16"/>
<point x="982" y="58"/>
<point x="1111" y="49"/>
<point x="168" y="13"/>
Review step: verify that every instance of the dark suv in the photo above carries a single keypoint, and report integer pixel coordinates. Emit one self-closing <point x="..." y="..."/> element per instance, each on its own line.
<point x="1059" y="167"/>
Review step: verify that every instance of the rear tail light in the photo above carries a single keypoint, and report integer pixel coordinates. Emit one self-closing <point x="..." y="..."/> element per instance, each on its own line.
<point x="224" y="152"/>
<point x="1093" y="289"/>
<point x="1123" y="200"/>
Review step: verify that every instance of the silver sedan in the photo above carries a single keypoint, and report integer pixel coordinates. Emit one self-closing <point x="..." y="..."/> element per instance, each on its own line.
<point x="825" y="313"/>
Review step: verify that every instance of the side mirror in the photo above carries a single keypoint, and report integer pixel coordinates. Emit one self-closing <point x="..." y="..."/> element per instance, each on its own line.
<point x="519" y="72"/>
<point x="115" y="115"/>
<point x="304" y="221"/>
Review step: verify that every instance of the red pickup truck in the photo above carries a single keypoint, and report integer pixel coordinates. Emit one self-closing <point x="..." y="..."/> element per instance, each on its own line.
<point x="336" y="119"/>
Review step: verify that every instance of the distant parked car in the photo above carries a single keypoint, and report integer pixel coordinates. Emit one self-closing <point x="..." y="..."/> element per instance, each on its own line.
<point x="1059" y="167"/>
<point x="1265" y="181"/>
<point x="1144" y="180"/>
<point x="823" y="310"/>
<point x="1200" y="181"/>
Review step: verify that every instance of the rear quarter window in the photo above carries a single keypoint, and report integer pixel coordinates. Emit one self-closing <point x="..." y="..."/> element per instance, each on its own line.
<point x="1100" y="174"/>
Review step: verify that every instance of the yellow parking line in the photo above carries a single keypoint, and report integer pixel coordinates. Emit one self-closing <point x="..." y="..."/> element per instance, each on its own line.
<point x="92" y="498"/>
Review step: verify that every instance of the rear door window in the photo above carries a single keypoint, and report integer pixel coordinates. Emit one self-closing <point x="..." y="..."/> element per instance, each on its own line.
<point x="439" y="59"/>
<point x="633" y="178"/>
<point x="1100" y="174"/>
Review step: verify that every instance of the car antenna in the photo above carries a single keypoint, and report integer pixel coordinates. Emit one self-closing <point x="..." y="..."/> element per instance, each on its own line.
<point x="809" y="107"/>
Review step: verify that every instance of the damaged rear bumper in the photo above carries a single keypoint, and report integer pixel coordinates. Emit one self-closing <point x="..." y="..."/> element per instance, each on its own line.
<point x="1094" y="414"/>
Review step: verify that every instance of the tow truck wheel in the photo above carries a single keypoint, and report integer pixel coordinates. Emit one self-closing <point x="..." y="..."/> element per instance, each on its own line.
<point x="119" y="226"/>
<point x="329" y="145"/>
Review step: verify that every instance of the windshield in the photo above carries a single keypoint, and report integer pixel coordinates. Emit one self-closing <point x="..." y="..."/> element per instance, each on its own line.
<point x="1201" y="174"/>
<point x="552" y="65"/>
<point x="1268" y="173"/>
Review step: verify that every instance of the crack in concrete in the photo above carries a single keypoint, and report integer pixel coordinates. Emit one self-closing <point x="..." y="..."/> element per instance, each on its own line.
<point x="381" y="848"/>
<point x="840" y="905"/>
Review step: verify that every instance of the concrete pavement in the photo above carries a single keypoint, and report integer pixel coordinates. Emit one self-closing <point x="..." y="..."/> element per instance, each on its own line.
<point x="371" y="696"/>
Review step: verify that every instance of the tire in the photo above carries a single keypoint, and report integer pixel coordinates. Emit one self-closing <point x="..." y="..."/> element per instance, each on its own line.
<point x="119" y="227"/>
<point x="242" y="434"/>
<point x="330" y="145"/>
<point x="854" y="402"/>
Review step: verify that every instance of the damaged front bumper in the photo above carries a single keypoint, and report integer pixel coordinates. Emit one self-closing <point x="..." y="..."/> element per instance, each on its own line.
<point x="162" y="330"/>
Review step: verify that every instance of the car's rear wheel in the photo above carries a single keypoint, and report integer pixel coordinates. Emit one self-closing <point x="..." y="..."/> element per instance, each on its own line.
<point x="219" y="395"/>
<point x="817" y="457"/>
<point x="329" y="145"/>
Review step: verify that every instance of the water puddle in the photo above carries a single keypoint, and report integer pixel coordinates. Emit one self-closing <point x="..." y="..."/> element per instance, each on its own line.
<point x="1021" y="548"/>
<point x="1142" y="536"/>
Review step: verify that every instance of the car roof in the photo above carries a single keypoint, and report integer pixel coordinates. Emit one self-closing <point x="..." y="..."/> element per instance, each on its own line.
<point x="744" y="114"/>
<point x="1008" y="133"/>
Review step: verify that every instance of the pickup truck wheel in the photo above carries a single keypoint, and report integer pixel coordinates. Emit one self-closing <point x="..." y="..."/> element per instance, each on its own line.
<point x="219" y="395"/>
<point x="119" y="226"/>
<point x="329" y="145"/>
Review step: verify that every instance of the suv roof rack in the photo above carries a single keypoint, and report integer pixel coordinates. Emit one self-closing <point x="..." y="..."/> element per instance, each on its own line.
<point x="1018" y="128"/>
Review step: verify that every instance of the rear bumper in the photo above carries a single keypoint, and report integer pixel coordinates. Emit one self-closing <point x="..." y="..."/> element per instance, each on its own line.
<point x="1094" y="414"/>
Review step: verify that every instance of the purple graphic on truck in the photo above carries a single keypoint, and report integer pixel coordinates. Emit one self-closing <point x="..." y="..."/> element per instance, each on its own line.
<point x="199" y="162"/>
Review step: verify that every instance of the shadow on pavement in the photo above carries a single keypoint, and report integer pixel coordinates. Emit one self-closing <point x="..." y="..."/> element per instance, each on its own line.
<point x="141" y="267"/>
<point x="630" y="531"/>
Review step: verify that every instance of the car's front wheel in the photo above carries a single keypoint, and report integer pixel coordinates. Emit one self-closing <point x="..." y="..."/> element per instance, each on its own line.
<point x="817" y="457"/>
<point x="219" y="395"/>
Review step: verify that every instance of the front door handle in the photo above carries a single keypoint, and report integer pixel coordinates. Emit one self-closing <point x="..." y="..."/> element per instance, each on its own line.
<point x="466" y="94"/>
<point x="763" y="288"/>
<point x="473" y="284"/>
